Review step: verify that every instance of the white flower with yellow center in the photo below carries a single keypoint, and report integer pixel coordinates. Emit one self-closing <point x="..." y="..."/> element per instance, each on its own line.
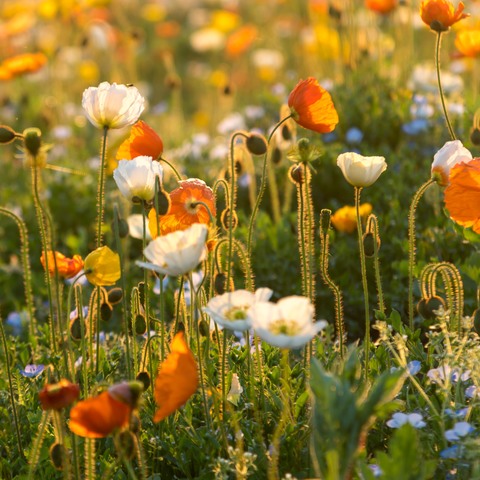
<point x="230" y="310"/>
<point x="287" y="323"/>
<point x="177" y="253"/>
<point x="361" y="171"/>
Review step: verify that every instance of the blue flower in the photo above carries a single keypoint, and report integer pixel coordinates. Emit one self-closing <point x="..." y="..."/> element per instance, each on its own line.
<point x="414" y="367"/>
<point x="451" y="452"/>
<point x="399" y="419"/>
<point x="459" y="430"/>
<point x="32" y="370"/>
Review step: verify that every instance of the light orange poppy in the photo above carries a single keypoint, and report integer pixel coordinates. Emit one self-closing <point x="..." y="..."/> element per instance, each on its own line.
<point x="55" y="396"/>
<point x="177" y="379"/>
<point x="99" y="416"/>
<point x="184" y="211"/>
<point x="381" y="6"/>
<point x="24" y="63"/>
<point x="468" y="42"/>
<point x="345" y="218"/>
<point x="240" y="40"/>
<point x="67" y="267"/>
<point x="440" y="15"/>
<point x="462" y="196"/>
<point x="143" y="141"/>
<point x="312" y="107"/>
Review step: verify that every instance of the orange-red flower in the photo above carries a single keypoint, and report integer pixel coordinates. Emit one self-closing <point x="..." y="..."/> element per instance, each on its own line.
<point x="55" y="396"/>
<point x="440" y="15"/>
<point x="99" y="416"/>
<point x="143" y="141"/>
<point x="468" y="42"/>
<point x="462" y="196"/>
<point x="67" y="267"/>
<point x="240" y="40"/>
<point x="24" y="63"/>
<point x="177" y="379"/>
<point x="381" y="6"/>
<point x="312" y="107"/>
<point x="184" y="209"/>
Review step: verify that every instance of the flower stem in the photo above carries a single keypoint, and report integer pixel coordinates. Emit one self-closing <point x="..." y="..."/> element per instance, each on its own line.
<point x="411" y="245"/>
<point x="364" y="280"/>
<point x="261" y="191"/>
<point x="101" y="187"/>
<point x="440" y="88"/>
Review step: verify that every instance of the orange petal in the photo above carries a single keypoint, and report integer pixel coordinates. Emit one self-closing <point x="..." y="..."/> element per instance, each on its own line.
<point x="143" y="141"/>
<point x="462" y="196"/>
<point x="98" y="417"/>
<point x="177" y="379"/>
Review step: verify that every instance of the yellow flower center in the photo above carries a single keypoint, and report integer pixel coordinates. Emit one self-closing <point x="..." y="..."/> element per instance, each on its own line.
<point x="284" y="327"/>
<point x="237" y="313"/>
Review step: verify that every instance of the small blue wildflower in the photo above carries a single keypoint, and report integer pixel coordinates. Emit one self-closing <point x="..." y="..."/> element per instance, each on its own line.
<point x="471" y="392"/>
<point x="458" y="413"/>
<point x="450" y="452"/>
<point x="415" y="127"/>
<point x="399" y="419"/>
<point x="32" y="370"/>
<point x="459" y="430"/>
<point x="376" y="470"/>
<point x="414" y="367"/>
<point x="15" y="322"/>
<point x="354" y="136"/>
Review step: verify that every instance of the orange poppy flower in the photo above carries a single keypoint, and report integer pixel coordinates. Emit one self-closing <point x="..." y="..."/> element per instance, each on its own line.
<point x="440" y="15"/>
<point x="311" y="106"/>
<point x="67" y="267"/>
<point x="55" y="396"/>
<point x="381" y="6"/>
<point x="468" y="42"/>
<point x="462" y="196"/>
<point x="177" y="379"/>
<point x="99" y="416"/>
<point x="143" y="141"/>
<point x="24" y="63"/>
<point x="183" y="211"/>
<point x="240" y="40"/>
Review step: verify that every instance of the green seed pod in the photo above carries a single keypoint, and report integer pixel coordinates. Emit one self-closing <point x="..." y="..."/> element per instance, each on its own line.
<point x="426" y="307"/>
<point x="476" y="320"/>
<point x="7" y="135"/>
<point x="256" y="144"/>
<point x="144" y="377"/>
<point x="32" y="139"/>
<point x="276" y="156"/>
<point x="475" y="136"/>
<point x="219" y="283"/>
<point x="140" y="324"/>
<point x="57" y="454"/>
<point x="115" y="296"/>
<point x="286" y="132"/>
<point x="204" y="328"/>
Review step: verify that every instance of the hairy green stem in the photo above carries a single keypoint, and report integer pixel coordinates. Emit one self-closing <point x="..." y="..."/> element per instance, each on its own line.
<point x="101" y="187"/>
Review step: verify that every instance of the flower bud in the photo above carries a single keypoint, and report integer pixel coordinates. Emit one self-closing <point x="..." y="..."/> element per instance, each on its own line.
<point x="219" y="283"/>
<point x="475" y="136"/>
<point x="295" y="174"/>
<point x="7" y="135"/>
<point x="229" y="221"/>
<point x="276" y="156"/>
<point x="162" y="202"/>
<point x="106" y="312"/>
<point x="427" y="307"/>
<point x="140" y="324"/>
<point x="76" y="328"/>
<point x="325" y="216"/>
<point x="127" y="444"/>
<point x="127" y="392"/>
<point x="32" y="139"/>
<point x="204" y="328"/>
<point x="144" y="377"/>
<point x="476" y="320"/>
<point x="256" y="144"/>
<point x="115" y="296"/>
<point x="369" y="244"/>
<point x="57" y="454"/>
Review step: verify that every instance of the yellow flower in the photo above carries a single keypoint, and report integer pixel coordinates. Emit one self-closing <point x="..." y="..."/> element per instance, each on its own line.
<point x="102" y="267"/>
<point x="345" y="218"/>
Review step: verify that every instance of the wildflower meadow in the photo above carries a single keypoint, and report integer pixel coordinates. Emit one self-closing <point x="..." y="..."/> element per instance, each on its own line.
<point x="240" y="239"/>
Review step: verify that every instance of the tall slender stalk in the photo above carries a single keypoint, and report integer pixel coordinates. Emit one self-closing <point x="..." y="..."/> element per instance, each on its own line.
<point x="364" y="280"/>
<point x="101" y="188"/>
<point x="440" y="88"/>
<point x="411" y="245"/>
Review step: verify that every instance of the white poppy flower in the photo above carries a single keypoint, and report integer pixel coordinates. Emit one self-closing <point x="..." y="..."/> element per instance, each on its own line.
<point x="287" y="323"/>
<point x="112" y="106"/>
<point x="446" y="158"/>
<point x="230" y="310"/>
<point x="136" y="177"/>
<point x="135" y="226"/>
<point x="178" y="252"/>
<point x="361" y="171"/>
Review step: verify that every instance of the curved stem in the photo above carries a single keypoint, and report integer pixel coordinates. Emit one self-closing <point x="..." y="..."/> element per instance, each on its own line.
<point x="263" y="185"/>
<point x="179" y="177"/>
<point x="440" y="89"/>
<point x="364" y="280"/>
<point x="411" y="246"/>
